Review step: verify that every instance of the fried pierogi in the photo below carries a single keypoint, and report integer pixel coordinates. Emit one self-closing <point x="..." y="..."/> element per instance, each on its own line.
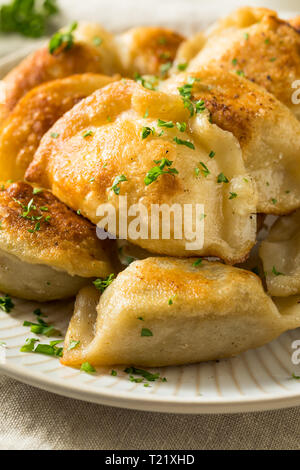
<point x="168" y="311"/>
<point x="33" y="116"/>
<point x="47" y="251"/>
<point x="145" y="145"/>
<point x="256" y="44"/>
<point x="268" y="133"/>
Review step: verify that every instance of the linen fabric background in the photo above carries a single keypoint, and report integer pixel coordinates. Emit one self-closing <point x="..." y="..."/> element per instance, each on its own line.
<point x="34" y="419"/>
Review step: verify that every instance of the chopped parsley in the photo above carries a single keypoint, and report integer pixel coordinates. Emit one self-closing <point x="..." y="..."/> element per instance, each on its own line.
<point x="73" y="345"/>
<point x="54" y="135"/>
<point x="164" y="68"/>
<point x="36" y="191"/>
<point x="62" y="41"/>
<point x="181" y="126"/>
<point x="146" y="131"/>
<point x="146" y="332"/>
<point x="115" y="187"/>
<point x="102" y="284"/>
<point x="204" y="170"/>
<point x="148" y="83"/>
<point x="232" y="195"/>
<point x="296" y="377"/>
<point x="87" y="367"/>
<point x="273" y="59"/>
<point x="274" y="201"/>
<point x="42" y="328"/>
<point x="198" y="262"/>
<point x="162" y="167"/>
<point x="47" y="349"/>
<point x="222" y="178"/>
<point x="241" y="73"/>
<point x="234" y="61"/>
<point x="211" y="154"/>
<point x="187" y="143"/>
<point x="200" y="106"/>
<point x="6" y="304"/>
<point x="246" y="36"/>
<point x="144" y="374"/>
<point x="168" y="124"/>
<point x="114" y="373"/>
<point x="182" y="67"/>
<point x="276" y="273"/>
<point x="24" y="17"/>
<point x="88" y="133"/>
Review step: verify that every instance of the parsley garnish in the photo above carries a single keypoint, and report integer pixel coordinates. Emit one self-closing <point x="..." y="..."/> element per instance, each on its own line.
<point x="22" y="16"/>
<point x="146" y="131"/>
<point x="232" y="195"/>
<point x="146" y="375"/>
<point x="181" y="126"/>
<point x="212" y="154"/>
<point x="88" y="133"/>
<point x="6" y="304"/>
<point x="164" y="68"/>
<point x="168" y="124"/>
<point x="146" y="332"/>
<point x="198" y="262"/>
<point x="62" y="41"/>
<point x="148" y="83"/>
<point x="205" y="170"/>
<point x="42" y="328"/>
<point x="73" y="345"/>
<point x="102" y="284"/>
<point x="276" y="273"/>
<point x="115" y="187"/>
<point x="114" y="373"/>
<point x="187" y="143"/>
<point x="87" y="367"/>
<point x="54" y="135"/>
<point x="158" y="170"/>
<point x="47" y="349"/>
<point x="182" y="67"/>
<point x="222" y="178"/>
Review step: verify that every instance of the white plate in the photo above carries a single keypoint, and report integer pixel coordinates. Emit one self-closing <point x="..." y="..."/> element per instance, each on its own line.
<point x="256" y="380"/>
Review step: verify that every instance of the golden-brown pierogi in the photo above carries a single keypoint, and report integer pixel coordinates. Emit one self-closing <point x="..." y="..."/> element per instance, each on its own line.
<point x="168" y="311"/>
<point x="47" y="251"/>
<point x="33" y="116"/>
<point x="145" y="145"/>
<point x="268" y="133"/>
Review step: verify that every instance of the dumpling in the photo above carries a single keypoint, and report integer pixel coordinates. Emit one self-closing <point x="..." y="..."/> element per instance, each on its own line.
<point x="164" y="311"/>
<point x="259" y="46"/>
<point x="93" y="50"/>
<point x="33" y="116"/>
<point x="135" y="149"/>
<point x="148" y="50"/>
<point x="47" y="251"/>
<point x="41" y="66"/>
<point x="268" y="133"/>
<point x="280" y="253"/>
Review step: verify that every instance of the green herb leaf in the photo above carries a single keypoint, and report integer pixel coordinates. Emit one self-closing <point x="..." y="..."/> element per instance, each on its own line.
<point x="222" y="178"/>
<point x="73" y="345"/>
<point x="158" y="170"/>
<point x="168" y="124"/>
<point x="276" y="273"/>
<point x="62" y="41"/>
<point x="182" y="67"/>
<point x="87" y="367"/>
<point x="115" y="187"/>
<point x="6" y="304"/>
<point x="198" y="262"/>
<point x="184" y="142"/>
<point x="146" y="332"/>
<point x="102" y="284"/>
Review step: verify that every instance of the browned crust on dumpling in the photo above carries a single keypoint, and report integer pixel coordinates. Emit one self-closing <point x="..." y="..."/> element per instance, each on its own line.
<point x="151" y="48"/>
<point x="33" y="116"/>
<point x="65" y="240"/>
<point x="267" y="53"/>
<point x="41" y="66"/>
